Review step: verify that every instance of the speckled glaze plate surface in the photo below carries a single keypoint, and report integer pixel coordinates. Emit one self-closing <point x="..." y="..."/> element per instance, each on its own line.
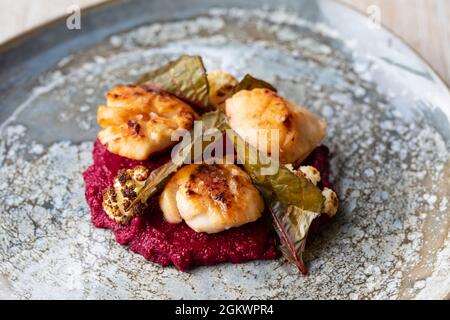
<point x="389" y="132"/>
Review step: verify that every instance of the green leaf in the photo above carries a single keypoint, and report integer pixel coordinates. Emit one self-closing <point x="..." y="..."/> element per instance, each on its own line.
<point x="249" y="83"/>
<point x="286" y="186"/>
<point x="185" y="78"/>
<point x="292" y="224"/>
<point x="293" y="201"/>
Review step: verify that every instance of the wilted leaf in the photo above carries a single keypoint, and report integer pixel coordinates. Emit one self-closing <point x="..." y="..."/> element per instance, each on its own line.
<point x="249" y="83"/>
<point x="294" y="201"/>
<point x="185" y="78"/>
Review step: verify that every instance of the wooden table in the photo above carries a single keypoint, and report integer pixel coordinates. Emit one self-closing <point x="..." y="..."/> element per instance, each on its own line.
<point x="423" y="24"/>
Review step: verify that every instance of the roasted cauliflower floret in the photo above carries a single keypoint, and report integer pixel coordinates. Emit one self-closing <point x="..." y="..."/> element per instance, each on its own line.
<point x="310" y="173"/>
<point x="221" y="85"/>
<point x="331" y="202"/>
<point x="299" y="130"/>
<point x="211" y="198"/>
<point x="117" y="199"/>
<point x="138" y="121"/>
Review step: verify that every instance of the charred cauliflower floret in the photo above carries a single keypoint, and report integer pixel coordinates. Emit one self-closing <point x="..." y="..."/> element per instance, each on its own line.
<point x="221" y="85"/>
<point x="310" y="173"/>
<point x="138" y="121"/>
<point x="299" y="130"/>
<point x="331" y="202"/>
<point x="117" y="199"/>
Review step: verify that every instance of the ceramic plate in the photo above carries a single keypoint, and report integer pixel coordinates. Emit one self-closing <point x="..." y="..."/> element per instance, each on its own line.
<point x="389" y="132"/>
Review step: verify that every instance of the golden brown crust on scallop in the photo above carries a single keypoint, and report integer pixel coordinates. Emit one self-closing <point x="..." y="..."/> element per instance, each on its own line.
<point x="211" y="198"/>
<point x="138" y="121"/>
<point x="299" y="130"/>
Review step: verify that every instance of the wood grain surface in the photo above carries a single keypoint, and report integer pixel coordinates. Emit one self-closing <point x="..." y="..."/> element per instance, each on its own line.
<point x="423" y="24"/>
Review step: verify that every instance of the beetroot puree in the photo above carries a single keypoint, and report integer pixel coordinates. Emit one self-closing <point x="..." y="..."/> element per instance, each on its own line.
<point x="164" y="243"/>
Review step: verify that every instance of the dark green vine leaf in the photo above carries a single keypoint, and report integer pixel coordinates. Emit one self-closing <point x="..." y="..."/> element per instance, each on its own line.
<point x="293" y="201"/>
<point x="249" y="83"/>
<point x="185" y="78"/>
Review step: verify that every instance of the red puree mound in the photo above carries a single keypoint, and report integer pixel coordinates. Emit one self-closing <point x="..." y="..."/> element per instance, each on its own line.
<point x="164" y="243"/>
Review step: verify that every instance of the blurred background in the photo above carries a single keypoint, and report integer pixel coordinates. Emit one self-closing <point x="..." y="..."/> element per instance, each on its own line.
<point x="423" y="24"/>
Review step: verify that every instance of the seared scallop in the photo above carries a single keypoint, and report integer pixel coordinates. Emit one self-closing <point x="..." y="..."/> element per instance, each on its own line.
<point x="299" y="130"/>
<point x="138" y="121"/>
<point x="211" y="198"/>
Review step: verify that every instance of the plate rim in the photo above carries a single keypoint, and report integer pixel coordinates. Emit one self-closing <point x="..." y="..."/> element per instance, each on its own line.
<point x="23" y="37"/>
